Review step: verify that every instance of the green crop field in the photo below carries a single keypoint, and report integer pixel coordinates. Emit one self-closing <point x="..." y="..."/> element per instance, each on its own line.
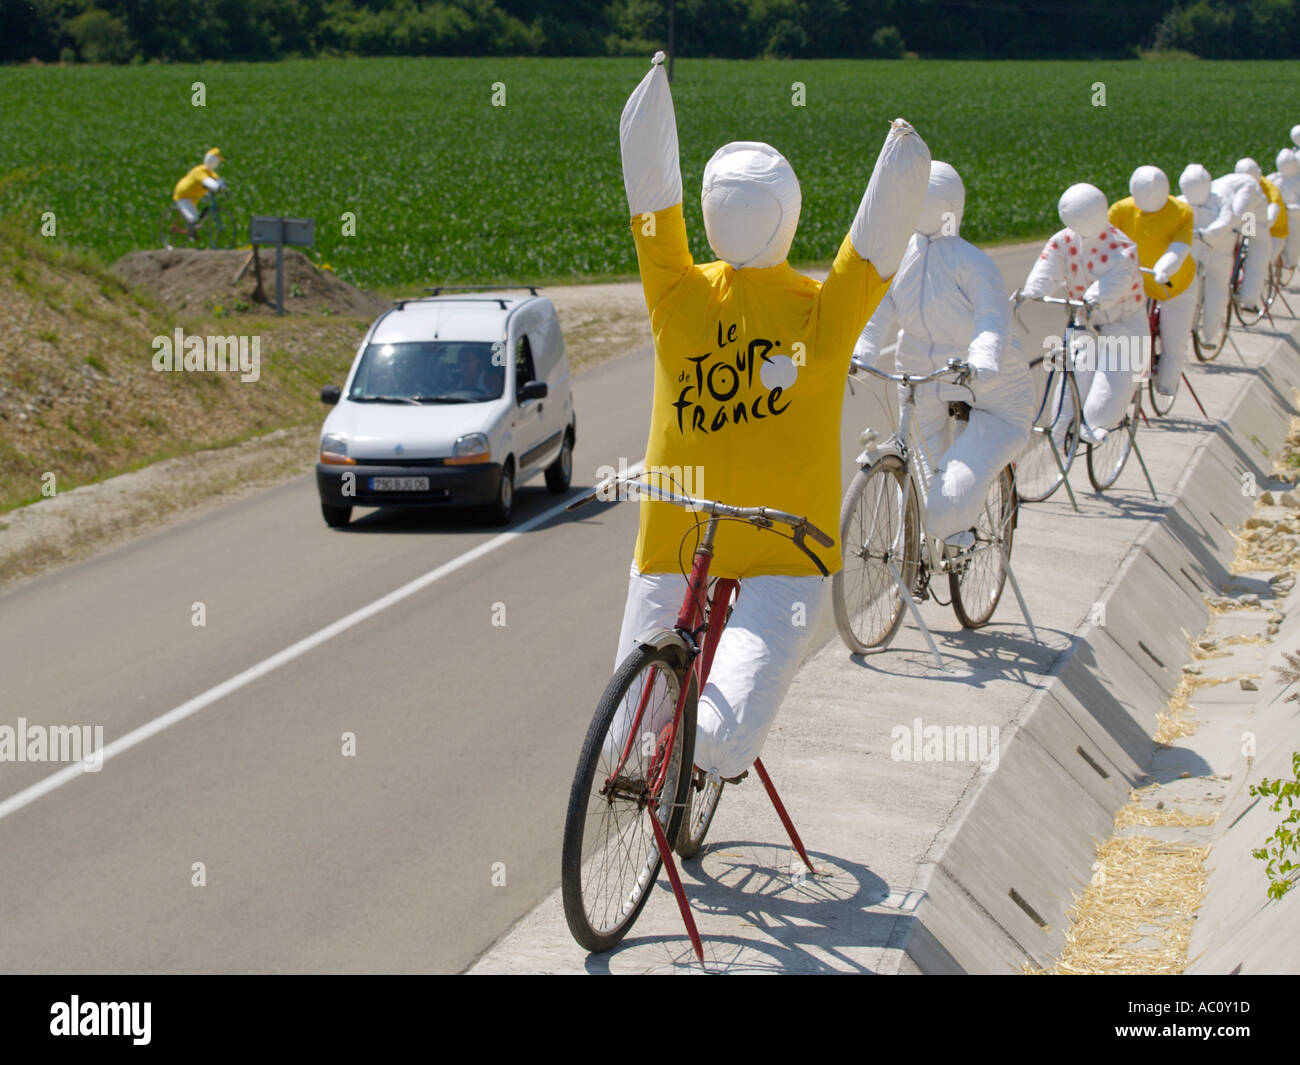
<point x="447" y="187"/>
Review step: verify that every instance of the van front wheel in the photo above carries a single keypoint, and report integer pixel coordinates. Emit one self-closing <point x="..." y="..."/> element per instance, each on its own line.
<point x="560" y="472"/>
<point x="499" y="512"/>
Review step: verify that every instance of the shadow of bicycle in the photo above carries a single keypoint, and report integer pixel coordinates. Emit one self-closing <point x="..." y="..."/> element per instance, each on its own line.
<point x="833" y="921"/>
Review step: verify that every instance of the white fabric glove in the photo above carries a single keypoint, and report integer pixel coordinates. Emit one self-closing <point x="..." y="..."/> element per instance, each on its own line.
<point x="213" y="184"/>
<point x="647" y="134"/>
<point x="887" y="214"/>
<point x="1171" y="262"/>
<point x="1273" y="211"/>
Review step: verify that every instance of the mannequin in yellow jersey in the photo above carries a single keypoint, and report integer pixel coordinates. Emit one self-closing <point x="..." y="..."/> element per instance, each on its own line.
<point x="1162" y="228"/>
<point x="749" y="369"/>
<point x="197" y="183"/>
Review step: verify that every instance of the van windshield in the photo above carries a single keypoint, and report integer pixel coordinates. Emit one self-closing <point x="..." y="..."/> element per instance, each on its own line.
<point x="434" y="371"/>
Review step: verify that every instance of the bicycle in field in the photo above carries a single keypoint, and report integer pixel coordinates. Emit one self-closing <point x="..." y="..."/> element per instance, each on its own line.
<point x="890" y="557"/>
<point x="1054" y="441"/>
<point x="214" y="229"/>
<point x="630" y="795"/>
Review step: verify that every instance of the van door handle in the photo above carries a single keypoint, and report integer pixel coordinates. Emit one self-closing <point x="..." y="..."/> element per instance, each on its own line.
<point x="539" y="408"/>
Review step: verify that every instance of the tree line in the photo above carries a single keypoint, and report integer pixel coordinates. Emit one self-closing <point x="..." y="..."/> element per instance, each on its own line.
<point x="125" y="31"/>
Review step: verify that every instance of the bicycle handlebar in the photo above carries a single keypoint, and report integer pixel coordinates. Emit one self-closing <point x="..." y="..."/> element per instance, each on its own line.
<point x="1056" y="299"/>
<point x="959" y="368"/>
<point x="762" y="517"/>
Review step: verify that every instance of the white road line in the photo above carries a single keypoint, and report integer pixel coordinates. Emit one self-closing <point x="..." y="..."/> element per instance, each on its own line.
<point x="199" y="702"/>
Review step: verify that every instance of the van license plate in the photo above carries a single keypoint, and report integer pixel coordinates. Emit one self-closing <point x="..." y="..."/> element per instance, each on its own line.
<point x="399" y="484"/>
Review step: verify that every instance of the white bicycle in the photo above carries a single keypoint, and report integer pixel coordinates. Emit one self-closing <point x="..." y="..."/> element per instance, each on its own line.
<point x="890" y="557"/>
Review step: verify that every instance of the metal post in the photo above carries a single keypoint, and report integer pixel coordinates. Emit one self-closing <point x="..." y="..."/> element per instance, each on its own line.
<point x="279" y="272"/>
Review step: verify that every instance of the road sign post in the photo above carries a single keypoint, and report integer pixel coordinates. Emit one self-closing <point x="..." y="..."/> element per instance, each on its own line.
<point x="277" y="230"/>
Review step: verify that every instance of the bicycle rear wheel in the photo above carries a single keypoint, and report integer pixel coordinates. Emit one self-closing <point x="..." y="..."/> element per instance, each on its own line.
<point x="977" y="582"/>
<point x="701" y="804"/>
<point x="1106" y="460"/>
<point x="610" y="859"/>
<point x="880" y="527"/>
<point x="1045" y="463"/>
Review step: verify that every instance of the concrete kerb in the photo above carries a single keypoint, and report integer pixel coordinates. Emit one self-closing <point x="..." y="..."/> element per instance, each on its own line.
<point x="1019" y="845"/>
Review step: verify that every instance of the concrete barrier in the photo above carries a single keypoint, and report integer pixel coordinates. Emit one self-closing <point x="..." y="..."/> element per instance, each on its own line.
<point x="1020" y="845"/>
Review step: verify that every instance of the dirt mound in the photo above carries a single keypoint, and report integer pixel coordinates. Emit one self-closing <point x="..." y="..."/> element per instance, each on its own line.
<point x="199" y="280"/>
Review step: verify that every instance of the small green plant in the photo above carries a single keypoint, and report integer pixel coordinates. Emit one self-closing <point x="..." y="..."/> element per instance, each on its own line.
<point x="47" y="335"/>
<point x="296" y="290"/>
<point x="1285" y="842"/>
<point x="96" y="363"/>
<point x="240" y="306"/>
<point x="1283" y="846"/>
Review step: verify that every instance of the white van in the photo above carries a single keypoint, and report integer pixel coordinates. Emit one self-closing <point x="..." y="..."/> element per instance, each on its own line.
<point x="451" y="400"/>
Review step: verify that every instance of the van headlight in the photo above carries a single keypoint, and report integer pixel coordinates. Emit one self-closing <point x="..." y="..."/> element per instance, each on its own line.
<point x="470" y="448"/>
<point x="334" y="450"/>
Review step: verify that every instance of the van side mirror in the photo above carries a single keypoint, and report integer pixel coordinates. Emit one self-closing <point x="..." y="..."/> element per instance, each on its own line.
<point x="532" y="390"/>
<point x="329" y="395"/>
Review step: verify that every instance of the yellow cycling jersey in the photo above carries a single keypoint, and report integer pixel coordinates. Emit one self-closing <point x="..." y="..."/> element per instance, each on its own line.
<point x="748" y="393"/>
<point x="1153" y="232"/>
<point x="191" y="186"/>
<point x="1280" y="228"/>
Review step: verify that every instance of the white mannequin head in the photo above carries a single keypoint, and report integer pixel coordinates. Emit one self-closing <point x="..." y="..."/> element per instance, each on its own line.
<point x="945" y="199"/>
<point x="213" y="159"/>
<point x="751" y="202"/>
<point x="1288" y="163"/>
<point x="1249" y="166"/>
<point x="1295" y="136"/>
<point x="1083" y="208"/>
<point x="1194" y="182"/>
<point x="1150" y="188"/>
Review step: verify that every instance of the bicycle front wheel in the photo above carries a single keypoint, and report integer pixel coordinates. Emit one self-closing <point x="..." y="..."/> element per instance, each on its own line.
<point x="977" y="581"/>
<point x="172" y="232"/>
<point x="880" y="527"/>
<point x="1205" y="351"/>
<point x="610" y="859"/>
<point x="1246" y="317"/>
<point x="1106" y="460"/>
<point x="1161" y="404"/>
<point x="701" y="804"/>
<point x="1045" y="463"/>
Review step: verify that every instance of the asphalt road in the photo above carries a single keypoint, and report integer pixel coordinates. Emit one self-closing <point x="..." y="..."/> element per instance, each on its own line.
<point x="413" y="854"/>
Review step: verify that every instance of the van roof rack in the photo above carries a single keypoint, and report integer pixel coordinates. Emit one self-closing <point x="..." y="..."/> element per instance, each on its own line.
<point x="440" y="289"/>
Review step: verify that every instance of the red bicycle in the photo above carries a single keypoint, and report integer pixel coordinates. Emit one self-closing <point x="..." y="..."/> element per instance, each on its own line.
<point x="630" y="796"/>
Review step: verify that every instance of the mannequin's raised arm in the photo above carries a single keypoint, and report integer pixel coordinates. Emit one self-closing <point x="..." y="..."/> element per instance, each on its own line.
<point x="647" y="135"/>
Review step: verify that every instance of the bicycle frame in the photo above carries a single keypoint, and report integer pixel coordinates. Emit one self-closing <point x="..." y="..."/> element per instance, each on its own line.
<point x="699" y="613"/>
